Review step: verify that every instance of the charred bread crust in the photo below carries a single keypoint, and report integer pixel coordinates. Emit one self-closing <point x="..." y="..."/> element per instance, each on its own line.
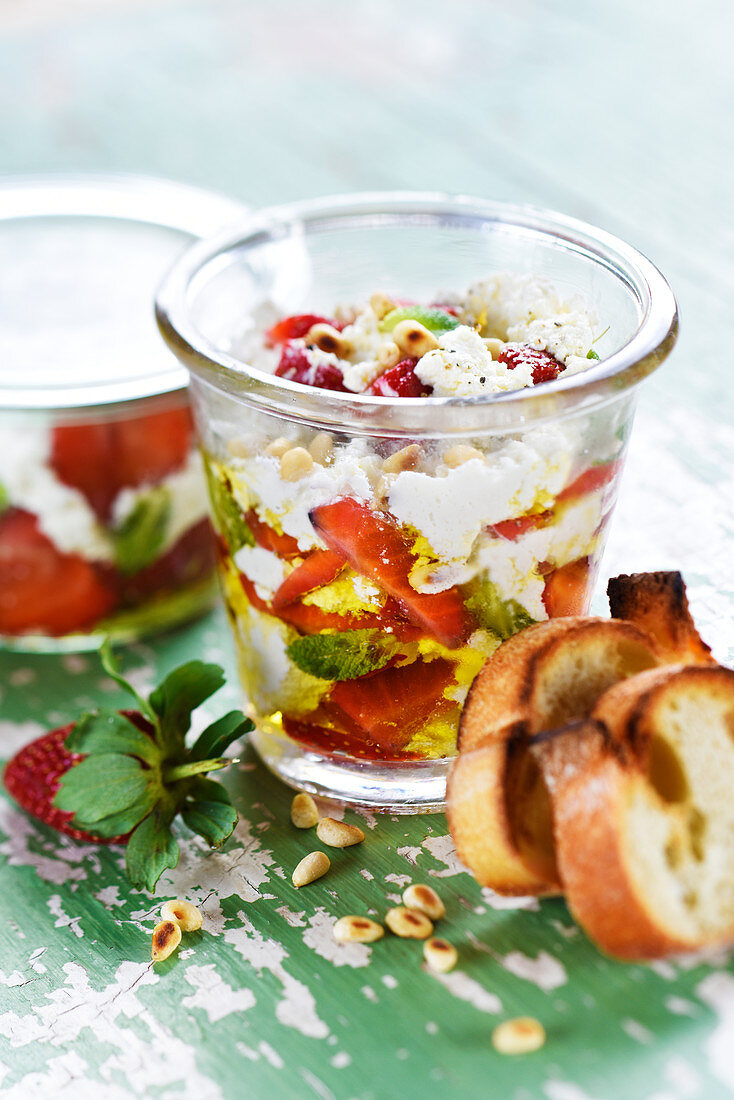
<point x="657" y="603"/>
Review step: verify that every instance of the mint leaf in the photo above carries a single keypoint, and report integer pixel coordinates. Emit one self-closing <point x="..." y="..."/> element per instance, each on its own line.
<point x="503" y="617"/>
<point x="109" y="664"/>
<point x="182" y="691"/>
<point x="140" y="536"/>
<point x="151" y="850"/>
<point x="215" y="821"/>
<point x="591" y="354"/>
<point x="344" y="656"/>
<point x="4" y="498"/>
<point x="229" y="518"/>
<point x="103" y="784"/>
<point x="109" y="731"/>
<point x="120" y="823"/>
<point x="435" y="320"/>
<point x="220" y="734"/>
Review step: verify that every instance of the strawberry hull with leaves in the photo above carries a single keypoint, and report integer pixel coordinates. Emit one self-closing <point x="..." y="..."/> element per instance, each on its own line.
<point x="124" y="777"/>
<point x="358" y="635"/>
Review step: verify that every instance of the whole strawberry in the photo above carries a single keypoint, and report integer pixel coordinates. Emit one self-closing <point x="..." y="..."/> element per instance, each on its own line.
<point x="123" y="776"/>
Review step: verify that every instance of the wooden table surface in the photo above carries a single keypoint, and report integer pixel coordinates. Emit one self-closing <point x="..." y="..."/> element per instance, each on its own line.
<point x="617" y="112"/>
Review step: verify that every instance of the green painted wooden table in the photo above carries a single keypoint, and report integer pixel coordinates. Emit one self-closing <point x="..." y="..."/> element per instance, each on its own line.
<point x="616" y="112"/>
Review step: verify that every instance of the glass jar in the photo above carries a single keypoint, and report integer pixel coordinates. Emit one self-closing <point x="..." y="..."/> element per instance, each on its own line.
<point x="374" y="551"/>
<point x="103" y="518"/>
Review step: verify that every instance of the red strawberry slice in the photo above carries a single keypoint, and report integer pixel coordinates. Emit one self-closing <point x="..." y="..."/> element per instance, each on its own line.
<point x="101" y="459"/>
<point x="375" y="547"/>
<point x="285" y="546"/>
<point x="43" y="589"/>
<point x="331" y="741"/>
<point x="545" y="366"/>
<point x="596" y="477"/>
<point x="513" y="529"/>
<point x="294" y="328"/>
<point x="400" y="381"/>
<point x="32" y="777"/>
<point x="296" y="365"/>
<point x="319" y="568"/>
<point x="567" y="589"/>
<point x="392" y="705"/>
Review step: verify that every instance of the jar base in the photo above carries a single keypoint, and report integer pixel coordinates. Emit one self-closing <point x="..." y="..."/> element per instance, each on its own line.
<point x="403" y="787"/>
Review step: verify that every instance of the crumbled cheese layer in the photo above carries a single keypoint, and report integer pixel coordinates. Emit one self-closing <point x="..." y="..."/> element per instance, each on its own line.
<point x="463" y="366"/>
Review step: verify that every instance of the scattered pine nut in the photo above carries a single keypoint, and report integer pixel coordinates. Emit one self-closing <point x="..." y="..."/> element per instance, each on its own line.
<point x="166" y="938"/>
<point x="388" y="355"/>
<point x="408" y="923"/>
<point x="425" y="900"/>
<point x="413" y="338"/>
<point x="295" y="464"/>
<point x="381" y="304"/>
<point x="405" y="459"/>
<point x="440" y="955"/>
<point x="461" y="453"/>
<point x="182" y="913"/>
<point x="321" y="448"/>
<point x="357" y="930"/>
<point x="304" y="812"/>
<point x="338" y="834"/>
<point x="494" y="346"/>
<point x="313" y="866"/>
<point x="279" y="446"/>
<point x="328" y="339"/>
<point x="519" y="1036"/>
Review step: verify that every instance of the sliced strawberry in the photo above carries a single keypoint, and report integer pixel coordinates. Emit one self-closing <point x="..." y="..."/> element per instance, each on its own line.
<point x="595" y="477"/>
<point x="545" y="366"/>
<point x="374" y="546"/>
<point x="513" y="529"/>
<point x="285" y="546"/>
<point x="101" y="459"/>
<point x="190" y="559"/>
<point x="319" y="568"/>
<point x="392" y="705"/>
<point x="332" y="741"/>
<point x="400" y="381"/>
<point x="294" y="328"/>
<point x="567" y="589"/>
<point x="295" y="364"/>
<point x="41" y="588"/>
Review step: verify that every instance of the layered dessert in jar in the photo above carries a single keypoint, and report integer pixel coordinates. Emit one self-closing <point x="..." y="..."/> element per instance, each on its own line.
<point x="103" y="522"/>
<point x="368" y="577"/>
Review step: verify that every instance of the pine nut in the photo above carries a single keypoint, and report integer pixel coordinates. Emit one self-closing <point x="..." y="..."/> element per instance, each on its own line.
<point x="440" y="955"/>
<point x="295" y="464"/>
<point x="405" y="459"/>
<point x="304" y="813"/>
<point x="388" y="355"/>
<point x="182" y="913"/>
<point x="279" y="446"/>
<point x="329" y="339"/>
<point x="519" y="1036"/>
<point x="381" y="305"/>
<point x="425" y="900"/>
<point x="408" y="923"/>
<point x="461" y="453"/>
<point x="357" y="930"/>
<point x="338" y="834"/>
<point x="494" y="346"/>
<point x="313" y="866"/>
<point x="413" y="338"/>
<point x="321" y="448"/>
<point x="166" y="938"/>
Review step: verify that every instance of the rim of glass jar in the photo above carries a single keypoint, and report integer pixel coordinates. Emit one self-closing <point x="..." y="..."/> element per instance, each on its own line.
<point x="118" y="196"/>
<point x="432" y="416"/>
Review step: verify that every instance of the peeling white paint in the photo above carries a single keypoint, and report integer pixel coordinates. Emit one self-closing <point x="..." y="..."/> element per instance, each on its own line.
<point x="460" y="985"/>
<point x="544" y="971"/>
<point x="319" y="936"/>
<point x="213" y="995"/>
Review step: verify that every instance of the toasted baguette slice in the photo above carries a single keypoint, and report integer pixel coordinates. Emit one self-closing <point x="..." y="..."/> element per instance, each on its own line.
<point x="497" y="805"/>
<point x="657" y="603"/>
<point x="643" y="814"/>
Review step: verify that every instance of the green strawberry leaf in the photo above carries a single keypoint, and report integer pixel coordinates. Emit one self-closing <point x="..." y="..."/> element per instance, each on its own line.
<point x="182" y="691"/>
<point x="104" y="783"/>
<point x="215" y="821"/>
<point x="220" y="734"/>
<point x="502" y="617"/>
<point x="591" y="354"/>
<point x="120" y="823"/>
<point x="208" y="790"/>
<point x="230" y="521"/>
<point x="435" y="320"/>
<point x="151" y="850"/>
<point x="109" y="731"/>
<point x="141" y="535"/>
<point x="342" y="656"/>
<point x="109" y="664"/>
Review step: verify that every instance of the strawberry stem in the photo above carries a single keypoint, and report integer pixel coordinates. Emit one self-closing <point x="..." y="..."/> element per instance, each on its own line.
<point x="198" y="767"/>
